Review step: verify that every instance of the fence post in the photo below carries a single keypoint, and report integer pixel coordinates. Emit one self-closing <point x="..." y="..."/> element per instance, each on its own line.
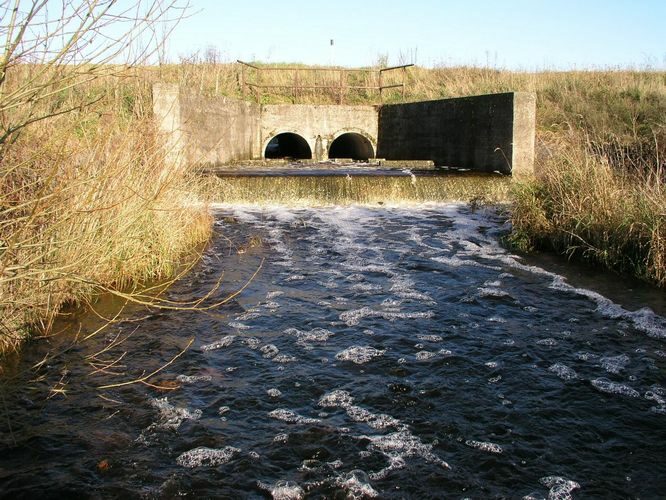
<point x="381" y="94"/>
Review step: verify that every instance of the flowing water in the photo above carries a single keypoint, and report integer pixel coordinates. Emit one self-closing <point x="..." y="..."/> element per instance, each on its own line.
<point x="393" y="352"/>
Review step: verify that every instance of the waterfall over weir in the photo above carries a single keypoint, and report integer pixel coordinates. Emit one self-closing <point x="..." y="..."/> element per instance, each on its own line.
<point x="326" y="184"/>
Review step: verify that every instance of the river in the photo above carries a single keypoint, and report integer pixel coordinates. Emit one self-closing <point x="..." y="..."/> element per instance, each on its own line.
<point x="393" y="352"/>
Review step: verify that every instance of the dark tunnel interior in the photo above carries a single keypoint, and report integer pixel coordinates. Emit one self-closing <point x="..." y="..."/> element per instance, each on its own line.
<point x="288" y="145"/>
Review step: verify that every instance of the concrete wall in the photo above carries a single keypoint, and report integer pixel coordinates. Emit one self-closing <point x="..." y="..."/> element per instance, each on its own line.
<point x="205" y="130"/>
<point x="327" y="122"/>
<point x="487" y="133"/>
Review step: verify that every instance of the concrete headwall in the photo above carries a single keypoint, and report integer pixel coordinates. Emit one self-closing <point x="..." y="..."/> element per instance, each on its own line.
<point x="487" y="133"/>
<point x="326" y="122"/>
<point x="217" y="130"/>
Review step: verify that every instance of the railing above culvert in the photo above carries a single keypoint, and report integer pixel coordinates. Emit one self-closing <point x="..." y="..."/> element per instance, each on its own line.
<point x="300" y="79"/>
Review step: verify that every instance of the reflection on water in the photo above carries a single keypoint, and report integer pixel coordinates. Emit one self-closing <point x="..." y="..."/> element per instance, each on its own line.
<point x="389" y="352"/>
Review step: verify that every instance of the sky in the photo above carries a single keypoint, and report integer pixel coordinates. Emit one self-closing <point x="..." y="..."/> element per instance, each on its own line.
<point x="512" y="34"/>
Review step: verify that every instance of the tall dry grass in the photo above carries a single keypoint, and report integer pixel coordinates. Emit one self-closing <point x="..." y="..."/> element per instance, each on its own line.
<point x="88" y="205"/>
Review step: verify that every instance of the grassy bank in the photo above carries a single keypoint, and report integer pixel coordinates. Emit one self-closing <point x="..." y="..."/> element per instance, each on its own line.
<point x="601" y="149"/>
<point x="88" y="205"/>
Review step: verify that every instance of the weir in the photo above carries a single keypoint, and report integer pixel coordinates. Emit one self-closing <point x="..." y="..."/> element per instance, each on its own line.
<point x="489" y="133"/>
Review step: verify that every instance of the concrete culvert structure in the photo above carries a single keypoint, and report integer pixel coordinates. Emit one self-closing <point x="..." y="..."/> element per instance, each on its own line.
<point x="288" y="145"/>
<point x="351" y="145"/>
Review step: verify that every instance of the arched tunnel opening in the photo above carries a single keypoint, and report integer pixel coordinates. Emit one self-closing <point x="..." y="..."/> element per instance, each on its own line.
<point x="288" y="145"/>
<point x="351" y="145"/>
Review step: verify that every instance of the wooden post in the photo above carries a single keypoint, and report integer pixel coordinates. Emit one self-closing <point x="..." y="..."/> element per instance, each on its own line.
<point x="381" y="96"/>
<point x="242" y="81"/>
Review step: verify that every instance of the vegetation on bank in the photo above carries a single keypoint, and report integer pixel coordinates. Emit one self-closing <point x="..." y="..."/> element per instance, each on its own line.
<point x="87" y="203"/>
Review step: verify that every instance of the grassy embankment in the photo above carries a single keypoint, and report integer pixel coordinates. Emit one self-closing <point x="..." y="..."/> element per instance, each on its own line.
<point x="87" y="203"/>
<point x="601" y="150"/>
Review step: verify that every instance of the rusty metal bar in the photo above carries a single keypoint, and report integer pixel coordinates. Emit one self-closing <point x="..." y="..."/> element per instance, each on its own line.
<point x="391" y="86"/>
<point x="248" y="64"/>
<point x="396" y="67"/>
<point x="337" y="87"/>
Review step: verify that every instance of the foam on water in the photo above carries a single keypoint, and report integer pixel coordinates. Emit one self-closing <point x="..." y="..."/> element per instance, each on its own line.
<point x="614" y="364"/>
<point x="292" y="417"/>
<point x="209" y="457"/>
<point x="193" y="379"/>
<point x="336" y="398"/>
<point x="305" y="338"/>
<point x="563" y="371"/>
<point x="359" y="354"/>
<point x="238" y="325"/>
<point x="269" y="351"/>
<point x="397" y="447"/>
<point x="485" y="446"/>
<point x="376" y="421"/>
<point x="171" y="416"/>
<point x="560" y="488"/>
<point x="225" y="341"/>
<point x="610" y="387"/>
<point x="430" y="338"/>
<point x="283" y="490"/>
<point x="357" y="485"/>
<point x="354" y="317"/>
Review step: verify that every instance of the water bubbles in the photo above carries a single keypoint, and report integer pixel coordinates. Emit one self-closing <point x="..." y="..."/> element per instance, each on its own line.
<point x="425" y="355"/>
<point x="563" y="371"/>
<point x="305" y="338"/>
<point x="359" y="354"/>
<point x="549" y="342"/>
<point x="397" y="447"/>
<point x="292" y="417"/>
<point x="281" y="438"/>
<point x="171" y="416"/>
<point x="269" y="351"/>
<point x="357" y="485"/>
<point x="225" y="341"/>
<point x="560" y="488"/>
<point x="209" y="457"/>
<point x="284" y="490"/>
<point x="376" y="421"/>
<point x="485" y="446"/>
<point x="354" y="317"/>
<point x="336" y="398"/>
<point x="607" y="386"/>
<point x="238" y="325"/>
<point x="193" y="379"/>
<point x="430" y="338"/>
<point x="252" y="342"/>
<point x="274" y="393"/>
<point x="614" y="364"/>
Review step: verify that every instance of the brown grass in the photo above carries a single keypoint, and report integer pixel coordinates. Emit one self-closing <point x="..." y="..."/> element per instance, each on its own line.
<point x="89" y="205"/>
